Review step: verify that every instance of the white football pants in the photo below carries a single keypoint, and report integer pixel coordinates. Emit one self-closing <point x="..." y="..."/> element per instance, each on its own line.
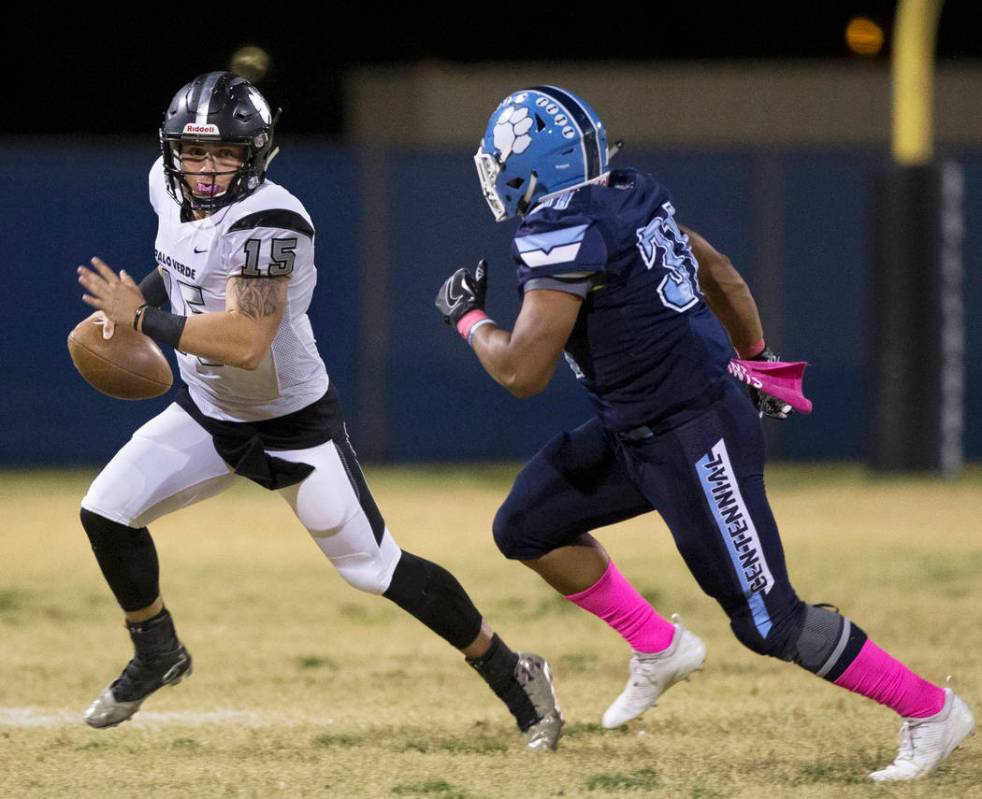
<point x="171" y="463"/>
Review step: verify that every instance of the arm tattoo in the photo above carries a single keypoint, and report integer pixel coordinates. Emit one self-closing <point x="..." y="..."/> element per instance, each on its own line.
<point x="255" y="297"/>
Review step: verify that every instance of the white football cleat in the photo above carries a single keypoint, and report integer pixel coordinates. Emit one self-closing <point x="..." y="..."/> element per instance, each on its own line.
<point x="653" y="674"/>
<point x="925" y="743"/>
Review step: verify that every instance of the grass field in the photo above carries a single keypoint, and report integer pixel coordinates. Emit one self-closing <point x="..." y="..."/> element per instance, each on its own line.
<point x="305" y="687"/>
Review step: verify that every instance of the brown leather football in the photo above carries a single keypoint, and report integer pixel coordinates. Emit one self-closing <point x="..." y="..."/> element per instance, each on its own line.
<point x="127" y="366"/>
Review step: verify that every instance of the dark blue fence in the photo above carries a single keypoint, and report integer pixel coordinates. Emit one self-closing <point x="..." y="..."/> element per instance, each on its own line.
<point x="62" y="204"/>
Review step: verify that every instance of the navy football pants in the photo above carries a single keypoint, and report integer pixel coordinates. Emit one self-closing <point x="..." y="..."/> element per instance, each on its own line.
<point x="705" y="477"/>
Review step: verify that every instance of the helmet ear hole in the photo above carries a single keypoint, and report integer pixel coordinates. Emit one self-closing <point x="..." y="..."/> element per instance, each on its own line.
<point x="539" y="124"/>
<point x="515" y="183"/>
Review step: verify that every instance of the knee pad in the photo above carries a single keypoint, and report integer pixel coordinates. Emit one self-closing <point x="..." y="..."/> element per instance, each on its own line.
<point x="522" y="532"/>
<point x="816" y="637"/>
<point x="109" y="536"/>
<point x="369" y="573"/>
<point x="782" y="631"/>
<point x="828" y="642"/>
<point x="127" y="557"/>
<point x="432" y="594"/>
<point x="507" y="529"/>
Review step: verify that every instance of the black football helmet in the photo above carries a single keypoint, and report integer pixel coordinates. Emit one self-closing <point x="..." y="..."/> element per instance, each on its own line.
<point x="217" y="107"/>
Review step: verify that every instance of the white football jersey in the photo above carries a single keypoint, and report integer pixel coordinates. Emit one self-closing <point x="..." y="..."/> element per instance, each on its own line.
<point x="268" y="233"/>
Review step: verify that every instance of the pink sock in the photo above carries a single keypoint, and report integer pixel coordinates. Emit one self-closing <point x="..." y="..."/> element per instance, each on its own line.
<point x="886" y="680"/>
<point x="613" y="599"/>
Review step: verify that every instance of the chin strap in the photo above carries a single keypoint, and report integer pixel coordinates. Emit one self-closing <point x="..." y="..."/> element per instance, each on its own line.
<point x="275" y="150"/>
<point x="526" y="200"/>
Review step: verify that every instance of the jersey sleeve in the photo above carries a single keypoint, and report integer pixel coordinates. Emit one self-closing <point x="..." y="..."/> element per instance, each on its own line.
<point x="269" y="243"/>
<point x="559" y="252"/>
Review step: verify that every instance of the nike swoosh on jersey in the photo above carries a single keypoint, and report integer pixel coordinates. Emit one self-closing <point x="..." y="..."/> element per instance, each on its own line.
<point x="198" y="252"/>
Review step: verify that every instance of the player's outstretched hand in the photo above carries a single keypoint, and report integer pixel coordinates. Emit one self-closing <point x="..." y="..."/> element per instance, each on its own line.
<point x="117" y="296"/>
<point x="766" y="405"/>
<point x="462" y="293"/>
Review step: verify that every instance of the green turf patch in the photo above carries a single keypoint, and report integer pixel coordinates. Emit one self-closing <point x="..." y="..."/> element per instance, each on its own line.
<point x="704" y="793"/>
<point x="552" y="605"/>
<point x="584" y="729"/>
<point x="10" y="601"/>
<point x="186" y="744"/>
<point x="92" y="746"/>
<point x="440" y="788"/>
<point x="645" y="779"/>
<point x="943" y="570"/>
<point x="838" y="772"/>
<point x="577" y="664"/>
<point x="353" y="612"/>
<point x="456" y="746"/>
<point x="316" y="662"/>
<point x="329" y="741"/>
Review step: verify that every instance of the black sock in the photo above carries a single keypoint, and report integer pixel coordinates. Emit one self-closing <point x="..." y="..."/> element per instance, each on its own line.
<point x="155" y="636"/>
<point x="497" y="667"/>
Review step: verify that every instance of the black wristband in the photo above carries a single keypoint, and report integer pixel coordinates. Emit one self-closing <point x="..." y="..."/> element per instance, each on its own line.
<point x="153" y="289"/>
<point x="163" y="327"/>
<point x="138" y="317"/>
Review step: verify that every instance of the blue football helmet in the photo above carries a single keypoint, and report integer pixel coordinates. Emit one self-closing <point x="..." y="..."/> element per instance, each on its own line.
<point x="539" y="141"/>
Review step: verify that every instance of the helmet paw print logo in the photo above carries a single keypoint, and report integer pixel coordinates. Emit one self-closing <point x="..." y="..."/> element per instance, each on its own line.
<point x="511" y="132"/>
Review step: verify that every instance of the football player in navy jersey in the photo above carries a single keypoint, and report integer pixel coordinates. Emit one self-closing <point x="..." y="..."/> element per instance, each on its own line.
<point x="648" y="314"/>
<point x="235" y="263"/>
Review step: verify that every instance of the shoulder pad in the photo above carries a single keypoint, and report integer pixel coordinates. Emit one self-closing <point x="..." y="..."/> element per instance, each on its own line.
<point x="274" y="218"/>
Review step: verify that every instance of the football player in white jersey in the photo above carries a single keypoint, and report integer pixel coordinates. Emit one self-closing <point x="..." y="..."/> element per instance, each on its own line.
<point x="235" y="260"/>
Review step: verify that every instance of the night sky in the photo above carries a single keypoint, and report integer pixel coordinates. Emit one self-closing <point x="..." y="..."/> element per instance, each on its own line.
<point x="115" y="76"/>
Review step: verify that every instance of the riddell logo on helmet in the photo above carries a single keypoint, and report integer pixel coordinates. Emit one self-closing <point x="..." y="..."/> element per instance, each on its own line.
<point x="202" y="130"/>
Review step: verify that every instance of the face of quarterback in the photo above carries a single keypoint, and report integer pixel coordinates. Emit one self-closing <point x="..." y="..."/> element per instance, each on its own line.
<point x="209" y="167"/>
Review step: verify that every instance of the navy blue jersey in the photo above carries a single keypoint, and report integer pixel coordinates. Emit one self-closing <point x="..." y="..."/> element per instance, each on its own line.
<point x="645" y="344"/>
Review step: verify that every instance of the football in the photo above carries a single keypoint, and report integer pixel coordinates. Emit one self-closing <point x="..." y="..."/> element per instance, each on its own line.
<point x="127" y="366"/>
